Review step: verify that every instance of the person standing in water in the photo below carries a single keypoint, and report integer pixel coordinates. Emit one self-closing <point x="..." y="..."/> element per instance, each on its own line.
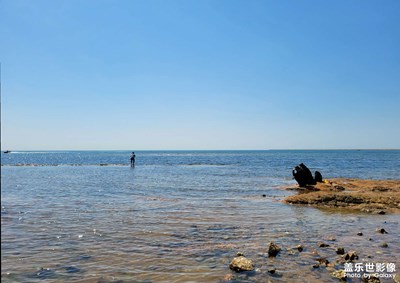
<point x="133" y="156"/>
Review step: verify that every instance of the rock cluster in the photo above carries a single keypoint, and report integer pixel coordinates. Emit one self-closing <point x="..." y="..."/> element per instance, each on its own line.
<point x="242" y="264"/>
<point x="303" y="175"/>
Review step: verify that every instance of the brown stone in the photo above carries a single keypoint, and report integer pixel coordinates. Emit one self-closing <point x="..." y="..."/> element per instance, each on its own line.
<point x="241" y="263"/>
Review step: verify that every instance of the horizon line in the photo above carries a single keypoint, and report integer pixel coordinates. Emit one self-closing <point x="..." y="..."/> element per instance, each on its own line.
<point x="272" y="149"/>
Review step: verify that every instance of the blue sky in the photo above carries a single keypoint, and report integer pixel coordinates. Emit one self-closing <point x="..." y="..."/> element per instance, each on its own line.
<point x="198" y="74"/>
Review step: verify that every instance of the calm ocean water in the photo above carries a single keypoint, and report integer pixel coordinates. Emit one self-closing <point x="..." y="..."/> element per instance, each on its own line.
<point x="178" y="216"/>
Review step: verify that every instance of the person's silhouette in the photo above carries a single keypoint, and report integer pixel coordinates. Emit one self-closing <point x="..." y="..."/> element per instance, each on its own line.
<point x="133" y="156"/>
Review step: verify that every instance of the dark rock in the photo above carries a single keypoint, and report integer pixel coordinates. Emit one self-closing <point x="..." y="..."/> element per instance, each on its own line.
<point x="273" y="249"/>
<point x="382" y="231"/>
<point x="359" y="234"/>
<point x="323" y="245"/>
<point x="300" y="248"/>
<point x="318" y="177"/>
<point x="371" y="279"/>
<point x="303" y="175"/>
<point x="72" y="269"/>
<point x="340" y="251"/>
<point x="384" y="245"/>
<point x="323" y="261"/>
<point x="272" y="270"/>
<point x="350" y="256"/>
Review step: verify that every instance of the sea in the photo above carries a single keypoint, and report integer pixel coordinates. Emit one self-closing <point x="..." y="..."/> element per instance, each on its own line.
<point x="182" y="216"/>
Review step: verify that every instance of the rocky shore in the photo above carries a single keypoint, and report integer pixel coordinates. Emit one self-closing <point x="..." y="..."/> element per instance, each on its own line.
<point x="370" y="196"/>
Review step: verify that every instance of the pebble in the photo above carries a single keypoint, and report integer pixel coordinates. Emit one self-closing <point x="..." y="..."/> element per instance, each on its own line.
<point x="272" y="270"/>
<point x="382" y="231"/>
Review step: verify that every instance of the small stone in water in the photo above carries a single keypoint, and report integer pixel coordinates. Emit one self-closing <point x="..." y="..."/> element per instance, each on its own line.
<point x="340" y="274"/>
<point x="240" y="263"/>
<point x="273" y="249"/>
<point x="382" y="231"/>
<point x="72" y="269"/>
<point x="323" y="261"/>
<point x="272" y="270"/>
<point x="340" y="251"/>
<point x="350" y="256"/>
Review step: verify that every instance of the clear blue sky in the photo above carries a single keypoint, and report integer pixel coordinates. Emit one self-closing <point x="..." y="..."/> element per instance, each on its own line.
<point x="198" y="74"/>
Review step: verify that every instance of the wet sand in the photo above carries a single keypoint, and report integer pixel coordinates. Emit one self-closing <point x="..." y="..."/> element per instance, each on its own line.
<point x="370" y="196"/>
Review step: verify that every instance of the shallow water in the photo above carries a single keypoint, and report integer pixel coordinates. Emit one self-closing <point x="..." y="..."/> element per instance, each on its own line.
<point x="180" y="216"/>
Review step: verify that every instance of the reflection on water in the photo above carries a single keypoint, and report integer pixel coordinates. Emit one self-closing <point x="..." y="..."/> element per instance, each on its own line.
<point x="162" y="223"/>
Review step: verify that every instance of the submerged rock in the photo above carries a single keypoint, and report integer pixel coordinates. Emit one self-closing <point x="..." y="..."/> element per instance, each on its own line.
<point x="339" y="274"/>
<point x="350" y="256"/>
<point x="228" y="277"/>
<point x="273" y="249"/>
<point x="45" y="273"/>
<point x="241" y="263"/>
<point x="340" y="251"/>
<point x="382" y="231"/>
<point x="272" y="270"/>
<point x="371" y="279"/>
<point x="323" y="261"/>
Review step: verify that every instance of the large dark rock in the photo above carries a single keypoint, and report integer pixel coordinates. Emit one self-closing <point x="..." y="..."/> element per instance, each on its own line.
<point x="303" y="175"/>
<point x="318" y="177"/>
